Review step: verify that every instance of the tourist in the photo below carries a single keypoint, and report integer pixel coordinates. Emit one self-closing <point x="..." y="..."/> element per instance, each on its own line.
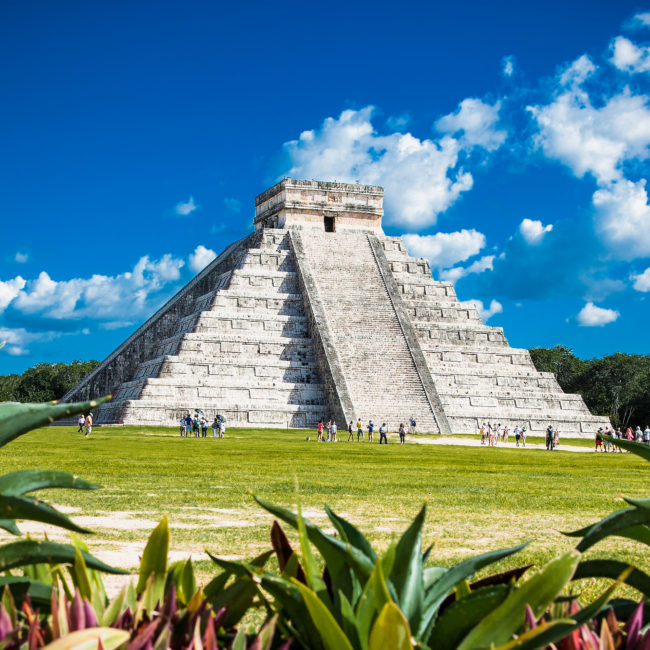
<point x="333" y="431"/>
<point x="215" y="426"/>
<point x="89" y="424"/>
<point x="351" y="434"/>
<point x="646" y="435"/>
<point x="359" y="430"/>
<point x="371" y="428"/>
<point x="329" y="430"/>
<point x="556" y="439"/>
<point x="195" y="426"/>
<point x="81" y="421"/>
<point x="550" y="437"/>
<point x="517" y="432"/>
<point x="490" y="435"/>
<point x="188" y="425"/>
<point x="482" y="432"/>
<point x="412" y="423"/>
<point x="638" y="434"/>
<point x="504" y="436"/>
<point x="319" y="428"/>
<point x="222" y="427"/>
<point x="181" y="422"/>
<point x="402" y="434"/>
<point x="628" y="434"/>
<point x="523" y="436"/>
<point x="204" y="427"/>
<point x="599" y="442"/>
<point x="382" y="433"/>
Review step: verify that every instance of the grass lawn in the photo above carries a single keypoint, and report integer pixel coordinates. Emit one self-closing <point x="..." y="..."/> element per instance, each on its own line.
<point x="478" y="498"/>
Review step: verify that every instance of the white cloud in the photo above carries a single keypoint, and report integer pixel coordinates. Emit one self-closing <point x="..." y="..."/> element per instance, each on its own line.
<point x="422" y="178"/>
<point x="183" y="208"/>
<point x="577" y="71"/>
<point x="642" y="281"/>
<point x="9" y="289"/>
<point x="201" y="257"/>
<point x="594" y="140"/>
<point x="485" y="263"/>
<point x="17" y="338"/>
<point x="629" y="57"/>
<point x="21" y="258"/>
<point x="533" y="231"/>
<point x="398" y="122"/>
<point x="623" y="218"/>
<point x="476" y="121"/>
<point x="445" y="248"/>
<point x="640" y="20"/>
<point x="592" y="316"/>
<point x="508" y="63"/>
<point x="484" y="312"/>
<point x="99" y="297"/>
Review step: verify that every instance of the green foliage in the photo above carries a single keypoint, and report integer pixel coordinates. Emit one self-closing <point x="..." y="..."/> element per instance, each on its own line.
<point x="44" y="382"/>
<point x="615" y="386"/>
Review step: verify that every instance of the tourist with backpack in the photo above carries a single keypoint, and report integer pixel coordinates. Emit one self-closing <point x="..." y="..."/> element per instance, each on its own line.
<point x="402" y="434"/>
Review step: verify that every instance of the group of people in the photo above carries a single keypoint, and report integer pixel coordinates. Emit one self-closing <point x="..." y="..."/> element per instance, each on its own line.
<point x="327" y="432"/>
<point x="491" y="434"/>
<point x="609" y="435"/>
<point x="198" y="425"/>
<point x="85" y="423"/>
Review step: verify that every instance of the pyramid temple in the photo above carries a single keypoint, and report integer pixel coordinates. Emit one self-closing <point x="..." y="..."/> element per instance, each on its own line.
<point x="319" y="314"/>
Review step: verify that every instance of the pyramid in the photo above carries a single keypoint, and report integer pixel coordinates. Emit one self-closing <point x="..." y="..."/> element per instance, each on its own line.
<point x="319" y="314"/>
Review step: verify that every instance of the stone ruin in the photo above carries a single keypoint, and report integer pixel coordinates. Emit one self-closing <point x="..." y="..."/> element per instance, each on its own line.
<point x="319" y="314"/>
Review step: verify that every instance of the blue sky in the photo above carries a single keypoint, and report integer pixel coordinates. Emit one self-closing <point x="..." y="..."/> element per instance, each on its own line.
<point x="512" y="139"/>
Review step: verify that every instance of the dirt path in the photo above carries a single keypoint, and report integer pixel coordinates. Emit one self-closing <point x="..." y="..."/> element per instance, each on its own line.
<point x="468" y="442"/>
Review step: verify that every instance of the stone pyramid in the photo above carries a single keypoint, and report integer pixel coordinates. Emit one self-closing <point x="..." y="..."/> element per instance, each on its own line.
<point x="318" y="314"/>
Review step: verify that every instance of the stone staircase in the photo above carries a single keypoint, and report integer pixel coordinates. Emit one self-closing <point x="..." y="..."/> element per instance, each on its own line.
<point x="381" y="377"/>
<point x="243" y="350"/>
<point x="479" y="377"/>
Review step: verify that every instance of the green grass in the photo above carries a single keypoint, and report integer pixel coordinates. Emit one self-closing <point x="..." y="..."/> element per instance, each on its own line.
<point x="478" y="498"/>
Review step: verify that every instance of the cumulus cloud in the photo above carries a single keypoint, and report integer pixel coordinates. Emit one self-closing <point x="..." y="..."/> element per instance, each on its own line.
<point x="445" y="248"/>
<point x="595" y="140"/>
<point x="592" y="316"/>
<point x="476" y="122"/>
<point x="99" y="297"/>
<point x="484" y="312"/>
<point x="639" y="20"/>
<point x="201" y="257"/>
<point x="629" y="57"/>
<point x="454" y="274"/>
<point x="642" y="281"/>
<point x="508" y="63"/>
<point x="422" y="178"/>
<point x="15" y="340"/>
<point x="9" y="289"/>
<point x="21" y="258"/>
<point x="533" y="231"/>
<point x="623" y="218"/>
<point x="578" y="71"/>
<point x="398" y="122"/>
<point x="184" y="208"/>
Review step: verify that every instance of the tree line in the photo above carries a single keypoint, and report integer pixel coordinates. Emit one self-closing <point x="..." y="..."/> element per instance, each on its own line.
<point x="44" y="382"/>
<point x="617" y="386"/>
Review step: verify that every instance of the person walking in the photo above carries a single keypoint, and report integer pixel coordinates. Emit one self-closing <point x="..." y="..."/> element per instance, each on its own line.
<point x="81" y="421"/>
<point x="359" y="430"/>
<point x="222" y="427"/>
<point x="482" y="432"/>
<point x="517" y="432"/>
<point x="333" y="430"/>
<point x="382" y="433"/>
<point x="181" y="422"/>
<point x="402" y="434"/>
<point x="195" y="426"/>
<point x="204" y="427"/>
<point x="646" y="434"/>
<point x="188" y="425"/>
<point x="550" y="437"/>
<point x="371" y="428"/>
<point x="523" y="436"/>
<point x="89" y="424"/>
<point x="350" y="432"/>
<point x="215" y="427"/>
<point x="319" y="428"/>
<point x="412" y="425"/>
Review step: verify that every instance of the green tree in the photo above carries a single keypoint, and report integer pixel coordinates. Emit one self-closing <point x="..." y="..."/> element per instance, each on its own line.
<point x="560" y="360"/>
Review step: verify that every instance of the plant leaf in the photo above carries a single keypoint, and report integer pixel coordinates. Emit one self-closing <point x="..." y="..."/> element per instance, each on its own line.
<point x="391" y="630"/>
<point x="21" y="586"/>
<point x="80" y="575"/>
<point x="10" y="526"/>
<point x="622" y="522"/>
<point x="638" y="448"/>
<point x="538" y="592"/>
<point x="15" y="507"/>
<point x="351" y="534"/>
<point x="29" y="480"/>
<point x="17" y="419"/>
<point x="154" y="556"/>
<point x="329" y="630"/>
<point x="115" y="608"/>
<point x="613" y="569"/>
<point x="444" y="585"/>
<point x="90" y="639"/>
<point x="29" y="551"/>
<point x="406" y="575"/>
